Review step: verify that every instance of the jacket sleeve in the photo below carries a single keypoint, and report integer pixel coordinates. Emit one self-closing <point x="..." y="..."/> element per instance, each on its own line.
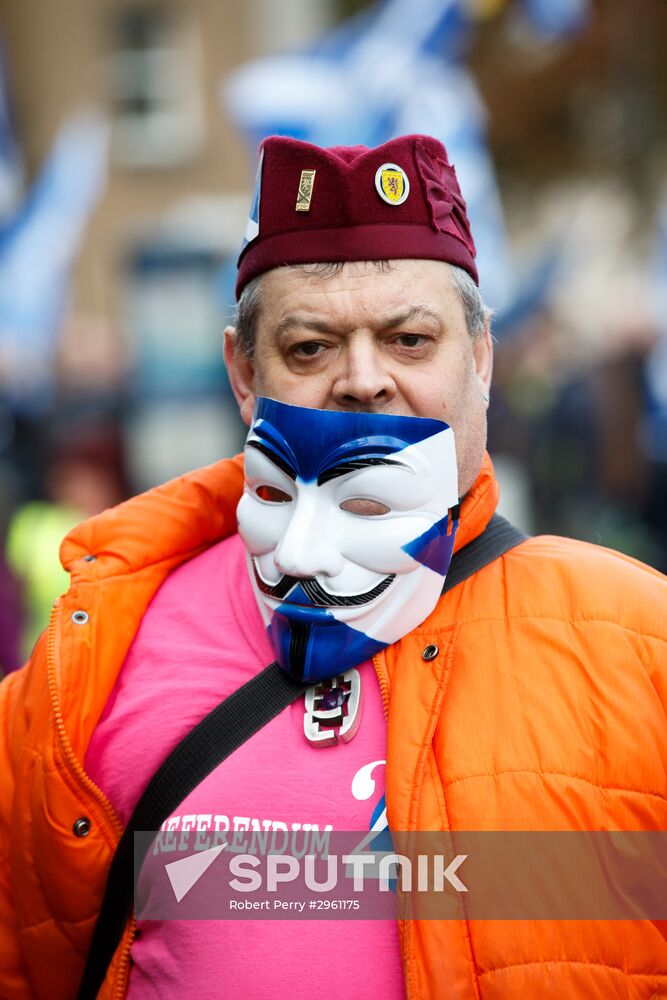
<point x="14" y="980"/>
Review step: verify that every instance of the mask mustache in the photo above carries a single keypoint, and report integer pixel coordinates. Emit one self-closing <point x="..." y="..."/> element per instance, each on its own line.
<point x="316" y="592"/>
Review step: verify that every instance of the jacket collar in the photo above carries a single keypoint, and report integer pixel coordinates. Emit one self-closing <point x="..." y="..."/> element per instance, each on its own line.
<point x="172" y="521"/>
<point x="478" y="505"/>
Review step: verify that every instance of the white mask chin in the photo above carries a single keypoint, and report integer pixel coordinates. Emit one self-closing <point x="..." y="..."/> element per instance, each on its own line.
<point x="349" y="521"/>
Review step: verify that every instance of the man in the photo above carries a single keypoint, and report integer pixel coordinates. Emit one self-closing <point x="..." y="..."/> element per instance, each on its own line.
<point x="531" y="697"/>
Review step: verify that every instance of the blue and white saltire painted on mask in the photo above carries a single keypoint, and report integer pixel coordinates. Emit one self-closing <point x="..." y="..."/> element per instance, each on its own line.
<point x="349" y="521"/>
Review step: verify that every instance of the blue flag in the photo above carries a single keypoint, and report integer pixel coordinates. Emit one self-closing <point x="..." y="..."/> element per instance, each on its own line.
<point x="37" y="251"/>
<point x="11" y="165"/>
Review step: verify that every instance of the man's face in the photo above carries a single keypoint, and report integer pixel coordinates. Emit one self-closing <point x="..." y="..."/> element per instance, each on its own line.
<point x="368" y="339"/>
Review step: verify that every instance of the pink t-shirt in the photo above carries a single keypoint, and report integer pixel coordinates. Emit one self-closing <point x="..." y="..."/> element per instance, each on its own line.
<point x="201" y="638"/>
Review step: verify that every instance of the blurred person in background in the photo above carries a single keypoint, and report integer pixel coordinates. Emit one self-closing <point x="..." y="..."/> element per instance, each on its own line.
<point x="82" y="478"/>
<point x="578" y="432"/>
<point x="531" y="697"/>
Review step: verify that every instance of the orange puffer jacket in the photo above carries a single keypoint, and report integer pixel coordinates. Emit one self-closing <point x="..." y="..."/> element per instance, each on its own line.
<point x="544" y="710"/>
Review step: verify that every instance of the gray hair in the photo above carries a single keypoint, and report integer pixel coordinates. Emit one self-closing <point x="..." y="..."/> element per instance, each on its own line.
<point x="247" y="308"/>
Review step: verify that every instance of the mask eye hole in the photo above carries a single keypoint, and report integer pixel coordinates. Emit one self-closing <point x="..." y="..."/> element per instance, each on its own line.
<point x="271" y="494"/>
<point x="364" y="507"/>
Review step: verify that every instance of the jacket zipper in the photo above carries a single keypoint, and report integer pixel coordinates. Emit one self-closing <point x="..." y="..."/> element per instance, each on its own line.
<point x="383" y="681"/>
<point x="90" y="786"/>
<point x="124" y="963"/>
<point x="74" y="764"/>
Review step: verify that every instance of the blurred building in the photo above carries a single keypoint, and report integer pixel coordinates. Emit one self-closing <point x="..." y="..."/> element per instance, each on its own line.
<point x="156" y="66"/>
<point x="150" y="299"/>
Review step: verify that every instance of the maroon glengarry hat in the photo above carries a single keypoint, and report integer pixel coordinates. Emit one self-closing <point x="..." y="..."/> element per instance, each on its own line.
<point x="400" y="200"/>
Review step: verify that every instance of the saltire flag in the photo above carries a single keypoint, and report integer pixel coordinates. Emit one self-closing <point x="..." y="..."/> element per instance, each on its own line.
<point x="37" y="250"/>
<point x="11" y="164"/>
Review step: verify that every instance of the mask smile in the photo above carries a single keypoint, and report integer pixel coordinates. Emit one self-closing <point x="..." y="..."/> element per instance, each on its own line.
<point x="316" y="594"/>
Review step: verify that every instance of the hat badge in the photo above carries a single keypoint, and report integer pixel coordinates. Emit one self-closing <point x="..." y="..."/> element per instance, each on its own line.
<point x="392" y="184"/>
<point x="305" y="193"/>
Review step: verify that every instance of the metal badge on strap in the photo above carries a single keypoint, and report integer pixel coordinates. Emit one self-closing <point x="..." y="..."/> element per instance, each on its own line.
<point x="333" y="710"/>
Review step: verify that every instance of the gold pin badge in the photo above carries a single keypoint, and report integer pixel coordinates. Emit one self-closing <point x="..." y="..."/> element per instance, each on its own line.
<point x="306" y="184"/>
<point x="392" y="184"/>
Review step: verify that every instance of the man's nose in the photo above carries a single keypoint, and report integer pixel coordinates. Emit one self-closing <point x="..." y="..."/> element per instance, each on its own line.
<point x="363" y="377"/>
<point x="306" y="548"/>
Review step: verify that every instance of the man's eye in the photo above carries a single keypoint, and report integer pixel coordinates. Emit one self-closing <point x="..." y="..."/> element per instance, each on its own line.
<point x="410" y="340"/>
<point x="367" y="508"/>
<point x="272" y="494"/>
<point x="309" y="348"/>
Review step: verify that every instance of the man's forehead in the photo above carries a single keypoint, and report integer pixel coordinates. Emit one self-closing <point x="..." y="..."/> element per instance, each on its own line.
<point x="381" y="272"/>
<point x="409" y="288"/>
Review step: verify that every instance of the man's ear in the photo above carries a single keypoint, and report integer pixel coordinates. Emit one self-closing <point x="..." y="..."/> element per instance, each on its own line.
<point x="241" y="375"/>
<point x="482" y="351"/>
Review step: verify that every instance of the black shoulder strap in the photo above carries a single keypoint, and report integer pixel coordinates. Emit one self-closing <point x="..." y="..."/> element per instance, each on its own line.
<point x="224" y="729"/>
<point x="498" y="537"/>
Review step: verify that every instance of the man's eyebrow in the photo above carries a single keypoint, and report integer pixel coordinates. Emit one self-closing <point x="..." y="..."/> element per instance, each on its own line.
<point x="413" y="313"/>
<point x="297" y="322"/>
<point x="343" y="468"/>
<point x="273" y="457"/>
